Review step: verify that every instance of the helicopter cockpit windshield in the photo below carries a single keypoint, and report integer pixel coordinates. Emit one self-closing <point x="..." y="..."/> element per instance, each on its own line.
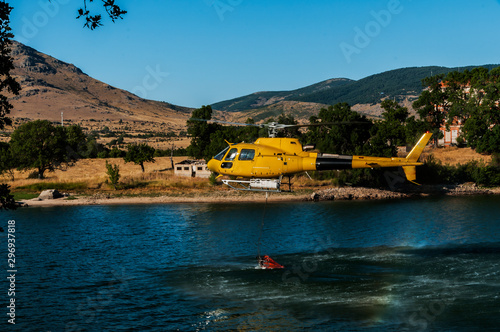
<point x="221" y="154"/>
<point x="232" y="154"/>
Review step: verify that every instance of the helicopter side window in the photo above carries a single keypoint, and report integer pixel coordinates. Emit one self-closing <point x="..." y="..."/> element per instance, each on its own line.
<point x="221" y="154"/>
<point x="246" y="154"/>
<point x="232" y="154"/>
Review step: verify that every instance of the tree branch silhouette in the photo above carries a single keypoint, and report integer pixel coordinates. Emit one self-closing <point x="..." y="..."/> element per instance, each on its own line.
<point x="94" y="20"/>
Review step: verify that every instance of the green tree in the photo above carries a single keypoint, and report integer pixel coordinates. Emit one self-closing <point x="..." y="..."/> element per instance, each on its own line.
<point x="219" y="139"/>
<point x="201" y="133"/>
<point x="76" y="142"/>
<point x="393" y="127"/>
<point x="7" y="201"/>
<point x="470" y="97"/>
<point x="344" y="132"/>
<point x="208" y="139"/>
<point x="113" y="172"/>
<point x="480" y="128"/>
<point x="93" y="149"/>
<point x="249" y="133"/>
<point x="433" y="104"/>
<point x="116" y="153"/>
<point x="6" y="159"/>
<point x="139" y="154"/>
<point x="288" y="119"/>
<point x="489" y="141"/>
<point x="414" y="129"/>
<point x="390" y="133"/>
<point x="7" y="82"/>
<point x="38" y="144"/>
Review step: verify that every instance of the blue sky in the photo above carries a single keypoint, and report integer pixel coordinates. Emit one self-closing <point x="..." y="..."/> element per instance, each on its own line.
<point x="199" y="52"/>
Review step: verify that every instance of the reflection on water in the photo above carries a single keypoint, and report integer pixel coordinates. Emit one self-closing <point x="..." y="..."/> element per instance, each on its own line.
<point x="428" y="264"/>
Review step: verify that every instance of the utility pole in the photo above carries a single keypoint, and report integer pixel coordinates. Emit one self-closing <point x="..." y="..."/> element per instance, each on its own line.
<point x="172" y="156"/>
<point x="62" y="120"/>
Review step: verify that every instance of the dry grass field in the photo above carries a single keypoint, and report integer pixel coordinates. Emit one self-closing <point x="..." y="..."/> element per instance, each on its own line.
<point x="89" y="175"/>
<point x="454" y="156"/>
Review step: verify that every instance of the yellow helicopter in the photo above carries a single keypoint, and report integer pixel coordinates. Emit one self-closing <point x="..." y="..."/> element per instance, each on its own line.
<point x="260" y="166"/>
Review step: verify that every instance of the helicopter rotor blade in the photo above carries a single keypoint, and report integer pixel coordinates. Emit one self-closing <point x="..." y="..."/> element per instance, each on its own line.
<point x="280" y="125"/>
<point x="325" y="124"/>
<point x="230" y="123"/>
<point x="273" y="127"/>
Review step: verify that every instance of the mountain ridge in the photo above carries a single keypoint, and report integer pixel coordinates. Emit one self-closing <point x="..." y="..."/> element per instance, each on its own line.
<point x="364" y="95"/>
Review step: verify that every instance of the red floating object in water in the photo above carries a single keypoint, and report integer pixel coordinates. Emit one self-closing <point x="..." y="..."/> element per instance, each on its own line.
<point x="267" y="262"/>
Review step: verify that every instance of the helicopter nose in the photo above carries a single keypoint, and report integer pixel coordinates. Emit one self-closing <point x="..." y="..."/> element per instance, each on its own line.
<point x="213" y="165"/>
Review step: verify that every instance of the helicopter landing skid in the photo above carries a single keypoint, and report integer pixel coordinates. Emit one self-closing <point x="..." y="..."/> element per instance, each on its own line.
<point x="263" y="185"/>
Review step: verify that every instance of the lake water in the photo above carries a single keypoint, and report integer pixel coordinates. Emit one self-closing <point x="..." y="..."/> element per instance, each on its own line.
<point x="403" y="265"/>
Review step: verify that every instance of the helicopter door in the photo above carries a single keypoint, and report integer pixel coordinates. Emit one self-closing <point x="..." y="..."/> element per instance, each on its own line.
<point x="228" y="161"/>
<point x="245" y="162"/>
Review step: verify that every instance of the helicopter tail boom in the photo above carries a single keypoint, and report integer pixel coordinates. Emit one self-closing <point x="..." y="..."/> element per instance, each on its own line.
<point x="338" y="162"/>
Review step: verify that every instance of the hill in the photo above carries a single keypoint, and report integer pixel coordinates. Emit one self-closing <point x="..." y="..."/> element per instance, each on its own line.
<point x="262" y="99"/>
<point x="51" y="87"/>
<point x="403" y="85"/>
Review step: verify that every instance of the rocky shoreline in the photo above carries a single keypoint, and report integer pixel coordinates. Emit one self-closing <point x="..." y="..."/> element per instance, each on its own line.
<point x="54" y="198"/>
<point x="361" y="193"/>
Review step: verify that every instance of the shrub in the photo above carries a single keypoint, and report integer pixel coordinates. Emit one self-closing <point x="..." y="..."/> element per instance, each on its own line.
<point x="488" y="176"/>
<point x="103" y="154"/>
<point x="433" y="172"/>
<point x="113" y="172"/>
<point x="116" y="153"/>
<point x="213" y="179"/>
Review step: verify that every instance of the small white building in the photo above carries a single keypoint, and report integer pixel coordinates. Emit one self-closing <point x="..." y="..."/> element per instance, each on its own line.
<point x="192" y="168"/>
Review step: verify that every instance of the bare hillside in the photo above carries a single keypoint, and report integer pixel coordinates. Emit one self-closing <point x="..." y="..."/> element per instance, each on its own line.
<point x="50" y="86"/>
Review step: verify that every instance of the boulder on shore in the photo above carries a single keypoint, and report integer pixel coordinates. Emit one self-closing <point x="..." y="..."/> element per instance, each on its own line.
<point x="50" y="194"/>
<point x="354" y="193"/>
